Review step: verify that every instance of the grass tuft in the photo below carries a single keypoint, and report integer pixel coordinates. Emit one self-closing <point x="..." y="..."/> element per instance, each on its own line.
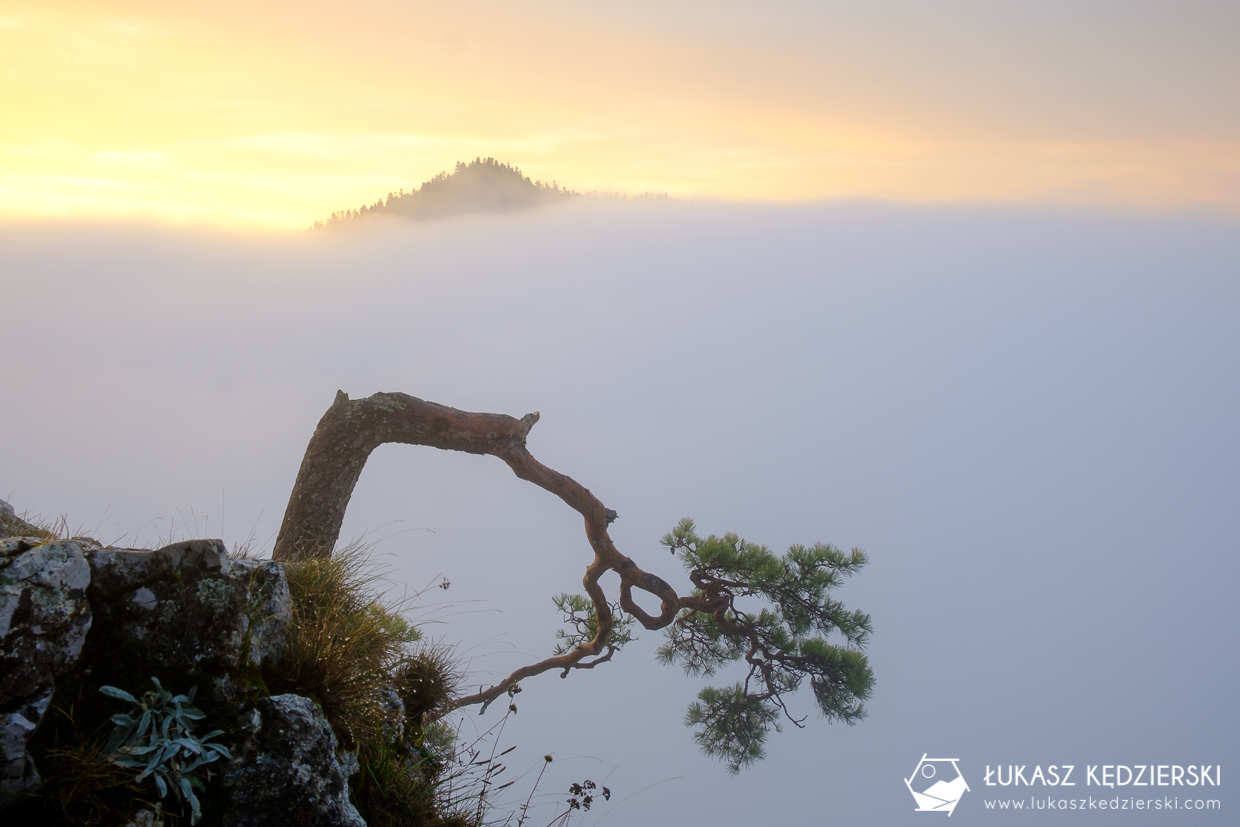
<point x="14" y="525"/>
<point x="350" y="651"/>
<point x="426" y="682"/>
<point x="343" y="642"/>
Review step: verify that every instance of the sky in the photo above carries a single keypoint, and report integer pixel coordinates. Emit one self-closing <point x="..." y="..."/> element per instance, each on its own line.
<point x="955" y="283"/>
<point x="270" y="115"/>
<point x="1026" y="417"/>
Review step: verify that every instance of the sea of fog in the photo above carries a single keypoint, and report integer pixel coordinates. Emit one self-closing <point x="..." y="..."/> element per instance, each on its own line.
<point x="1028" y="419"/>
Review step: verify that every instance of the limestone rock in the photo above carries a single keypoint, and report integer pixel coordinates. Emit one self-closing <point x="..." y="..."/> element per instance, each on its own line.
<point x="44" y="618"/>
<point x="191" y="608"/>
<point x="18" y="774"/>
<point x="288" y="771"/>
<point x="147" y="817"/>
<point x="270" y="608"/>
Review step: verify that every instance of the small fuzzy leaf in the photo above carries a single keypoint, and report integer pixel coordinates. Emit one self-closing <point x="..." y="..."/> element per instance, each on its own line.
<point x="220" y="751"/>
<point x="136" y="752"/>
<point x="119" y="694"/>
<point x="118" y="739"/>
<point x="195" y="807"/>
<point x="189" y="744"/>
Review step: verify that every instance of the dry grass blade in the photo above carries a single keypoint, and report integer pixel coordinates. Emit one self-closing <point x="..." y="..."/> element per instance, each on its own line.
<point x="88" y="788"/>
<point x="80" y="782"/>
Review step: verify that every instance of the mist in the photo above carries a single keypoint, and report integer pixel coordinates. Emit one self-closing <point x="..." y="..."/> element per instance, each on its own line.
<point x="1026" y="417"/>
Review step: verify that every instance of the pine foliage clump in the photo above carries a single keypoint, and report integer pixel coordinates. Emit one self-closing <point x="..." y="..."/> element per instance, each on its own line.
<point x="773" y="614"/>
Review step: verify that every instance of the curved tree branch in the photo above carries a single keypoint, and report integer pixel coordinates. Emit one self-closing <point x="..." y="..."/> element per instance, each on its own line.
<point x="342" y="443"/>
<point x="351" y="429"/>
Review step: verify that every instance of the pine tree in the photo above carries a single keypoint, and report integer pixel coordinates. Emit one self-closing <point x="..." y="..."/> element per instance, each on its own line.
<point x="771" y="614"/>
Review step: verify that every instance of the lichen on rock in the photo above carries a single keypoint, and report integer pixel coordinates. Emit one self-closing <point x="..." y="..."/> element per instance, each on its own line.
<point x="189" y="607"/>
<point x="287" y="771"/>
<point x="44" y="618"/>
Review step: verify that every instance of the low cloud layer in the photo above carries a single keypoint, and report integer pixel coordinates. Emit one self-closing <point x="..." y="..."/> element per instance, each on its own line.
<point x="1027" y="418"/>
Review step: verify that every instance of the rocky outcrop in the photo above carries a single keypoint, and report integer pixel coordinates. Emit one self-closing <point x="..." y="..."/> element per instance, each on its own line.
<point x="44" y="618"/>
<point x="192" y="609"/>
<point x="75" y="615"/>
<point x="288" y="772"/>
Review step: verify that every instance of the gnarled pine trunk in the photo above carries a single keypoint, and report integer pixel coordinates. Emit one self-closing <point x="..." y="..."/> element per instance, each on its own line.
<point x="352" y="429"/>
<point x="342" y="443"/>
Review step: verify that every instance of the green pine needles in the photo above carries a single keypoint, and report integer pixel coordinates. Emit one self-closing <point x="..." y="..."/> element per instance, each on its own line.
<point x="580" y="615"/>
<point x="774" y="614"/>
<point x="157" y="737"/>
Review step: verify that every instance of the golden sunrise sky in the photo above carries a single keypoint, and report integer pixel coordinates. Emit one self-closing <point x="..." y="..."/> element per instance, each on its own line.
<point x="271" y="114"/>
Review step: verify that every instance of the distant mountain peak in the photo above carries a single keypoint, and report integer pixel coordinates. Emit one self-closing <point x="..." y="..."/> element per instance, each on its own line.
<point x="483" y="185"/>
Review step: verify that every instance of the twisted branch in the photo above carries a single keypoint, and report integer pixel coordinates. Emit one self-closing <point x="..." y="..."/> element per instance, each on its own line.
<point x="351" y="429"/>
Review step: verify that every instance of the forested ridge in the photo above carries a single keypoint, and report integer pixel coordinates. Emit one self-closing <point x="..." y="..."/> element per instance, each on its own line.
<point x="483" y="185"/>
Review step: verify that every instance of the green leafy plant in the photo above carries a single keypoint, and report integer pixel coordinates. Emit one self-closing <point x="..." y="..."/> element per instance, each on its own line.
<point x="156" y="737"/>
